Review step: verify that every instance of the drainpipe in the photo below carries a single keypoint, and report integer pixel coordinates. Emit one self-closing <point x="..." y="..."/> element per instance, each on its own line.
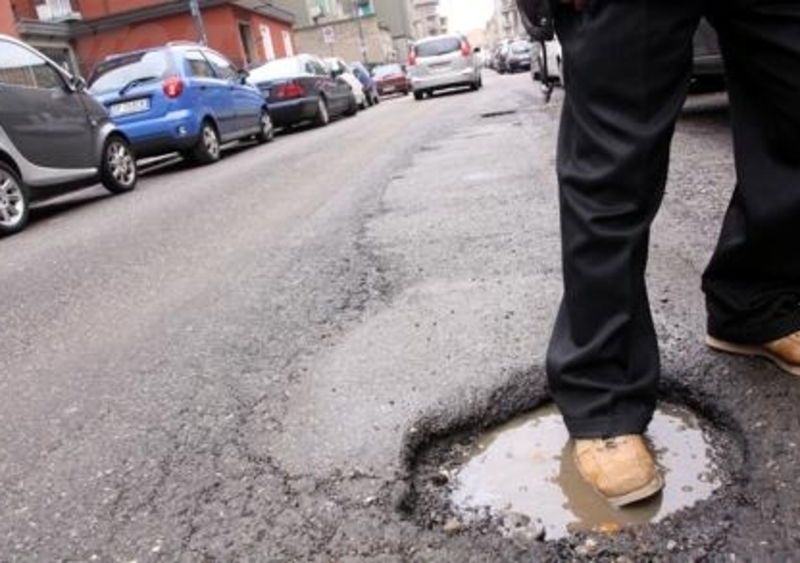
<point x="197" y="17"/>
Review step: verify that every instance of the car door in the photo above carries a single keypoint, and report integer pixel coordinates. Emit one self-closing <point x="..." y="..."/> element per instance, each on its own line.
<point x="44" y="117"/>
<point x="223" y="94"/>
<point x="209" y="95"/>
<point x="246" y="100"/>
<point x="342" y="90"/>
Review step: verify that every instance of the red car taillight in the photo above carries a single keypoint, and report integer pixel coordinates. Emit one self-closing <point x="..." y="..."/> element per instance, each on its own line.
<point x="173" y="87"/>
<point x="466" y="50"/>
<point x="290" y="90"/>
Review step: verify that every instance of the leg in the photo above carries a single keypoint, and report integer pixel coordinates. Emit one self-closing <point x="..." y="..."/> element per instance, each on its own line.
<point x="627" y="66"/>
<point x="752" y="284"/>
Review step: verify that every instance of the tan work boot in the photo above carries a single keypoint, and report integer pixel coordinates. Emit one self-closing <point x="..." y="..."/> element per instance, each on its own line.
<point x="785" y="352"/>
<point x="620" y="469"/>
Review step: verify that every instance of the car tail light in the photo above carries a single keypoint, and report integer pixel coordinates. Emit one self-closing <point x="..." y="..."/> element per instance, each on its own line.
<point x="412" y="58"/>
<point x="466" y="50"/>
<point x="173" y="87"/>
<point x="290" y="90"/>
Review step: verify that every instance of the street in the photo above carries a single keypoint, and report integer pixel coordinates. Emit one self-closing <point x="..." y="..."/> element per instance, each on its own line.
<point x="242" y="360"/>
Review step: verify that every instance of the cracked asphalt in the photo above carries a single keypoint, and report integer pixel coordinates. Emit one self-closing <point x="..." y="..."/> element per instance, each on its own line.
<point x="243" y="361"/>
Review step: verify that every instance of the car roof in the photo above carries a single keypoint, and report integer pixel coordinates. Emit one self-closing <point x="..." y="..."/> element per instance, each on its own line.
<point x="437" y="37"/>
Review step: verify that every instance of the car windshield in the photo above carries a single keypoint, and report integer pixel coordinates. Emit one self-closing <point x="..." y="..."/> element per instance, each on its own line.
<point x="386" y="70"/>
<point x="117" y="73"/>
<point x="521" y="48"/>
<point x="275" y="70"/>
<point x="436" y="47"/>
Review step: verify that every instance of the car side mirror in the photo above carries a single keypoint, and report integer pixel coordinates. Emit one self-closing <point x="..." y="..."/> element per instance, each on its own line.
<point x="78" y="83"/>
<point x="242" y="75"/>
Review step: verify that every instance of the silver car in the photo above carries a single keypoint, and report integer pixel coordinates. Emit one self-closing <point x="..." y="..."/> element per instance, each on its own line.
<point x="443" y="61"/>
<point x="53" y="135"/>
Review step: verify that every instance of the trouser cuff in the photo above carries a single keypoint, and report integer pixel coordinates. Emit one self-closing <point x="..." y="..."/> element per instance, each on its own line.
<point x="608" y="426"/>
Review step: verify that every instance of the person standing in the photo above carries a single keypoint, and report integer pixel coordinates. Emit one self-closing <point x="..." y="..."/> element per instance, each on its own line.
<point x="627" y="65"/>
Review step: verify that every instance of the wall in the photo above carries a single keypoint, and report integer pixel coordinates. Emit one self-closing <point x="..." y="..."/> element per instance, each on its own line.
<point x="378" y="40"/>
<point x="7" y="18"/>
<point x="98" y="8"/>
<point x="221" y="24"/>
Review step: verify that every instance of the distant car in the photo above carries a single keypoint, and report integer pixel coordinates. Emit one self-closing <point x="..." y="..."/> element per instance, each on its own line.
<point x="53" y="136"/>
<point x="391" y="79"/>
<point x="300" y="89"/>
<point x="518" y="56"/>
<point x="443" y="61"/>
<point x="339" y="69"/>
<point x="181" y="97"/>
<point x="367" y="82"/>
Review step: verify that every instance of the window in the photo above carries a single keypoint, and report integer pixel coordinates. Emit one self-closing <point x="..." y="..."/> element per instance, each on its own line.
<point x="318" y="68"/>
<point x="222" y="66"/>
<point x="437" y="47"/>
<point x="246" y="37"/>
<point x="287" y="43"/>
<point x="198" y="65"/>
<point x="118" y="72"/>
<point x="266" y="39"/>
<point x="21" y="67"/>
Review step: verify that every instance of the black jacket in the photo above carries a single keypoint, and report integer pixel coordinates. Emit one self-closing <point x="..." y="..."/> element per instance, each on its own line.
<point x="537" y="17"/>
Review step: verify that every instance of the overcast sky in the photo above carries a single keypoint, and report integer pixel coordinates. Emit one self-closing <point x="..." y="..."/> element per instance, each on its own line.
<point x="466" y="15"/>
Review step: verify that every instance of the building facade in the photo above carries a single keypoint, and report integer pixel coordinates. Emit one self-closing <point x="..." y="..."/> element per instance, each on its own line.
<point x="505" y="24"/>
<point x="80" y="33"/>
<point x="345" y="37"/>
<point x="426" y="18"/>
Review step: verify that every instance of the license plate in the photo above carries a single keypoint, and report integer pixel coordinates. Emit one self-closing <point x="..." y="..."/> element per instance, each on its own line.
<point x="133" y="106"/>
<point x="388" y="88"/>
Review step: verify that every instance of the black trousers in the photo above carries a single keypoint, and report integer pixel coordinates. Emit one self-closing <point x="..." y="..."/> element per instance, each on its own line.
<point x="627" y="64"/>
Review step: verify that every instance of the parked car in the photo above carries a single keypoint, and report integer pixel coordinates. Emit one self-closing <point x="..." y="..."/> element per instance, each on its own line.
<point x="443" y="61"/>
<point x="391" y="79"/>
<point x="300" y="89"/>
<point x="53" y="136"/>
<point x="180" y="97"/>
<point x="367" y="82"/>
<point x="518" y="56"/>
<point x="339" y="69"/>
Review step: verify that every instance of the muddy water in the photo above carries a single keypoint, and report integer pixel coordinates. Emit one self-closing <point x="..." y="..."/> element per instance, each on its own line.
<point x="526" y="467"/>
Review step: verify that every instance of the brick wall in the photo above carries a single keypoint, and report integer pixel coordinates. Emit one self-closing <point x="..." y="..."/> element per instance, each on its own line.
<point x="7" y="18"/>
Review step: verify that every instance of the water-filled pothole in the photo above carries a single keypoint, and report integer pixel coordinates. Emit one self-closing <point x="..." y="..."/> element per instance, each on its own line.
<point x="525" y="467"/>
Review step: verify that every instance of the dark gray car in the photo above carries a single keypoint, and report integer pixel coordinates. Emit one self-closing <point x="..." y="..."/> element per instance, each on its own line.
<point x="53" y="136"/>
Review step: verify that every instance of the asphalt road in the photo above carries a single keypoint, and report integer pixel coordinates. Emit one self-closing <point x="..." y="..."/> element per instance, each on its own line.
<point x="241" y="360"/>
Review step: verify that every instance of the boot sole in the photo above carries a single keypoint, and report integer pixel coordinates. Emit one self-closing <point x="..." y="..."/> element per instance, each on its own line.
<point x="652" y="488"/>
<point x="751" y="352"/>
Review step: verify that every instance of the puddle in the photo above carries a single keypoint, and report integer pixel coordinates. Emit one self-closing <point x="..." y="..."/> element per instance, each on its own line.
<point x="526" y="467"/>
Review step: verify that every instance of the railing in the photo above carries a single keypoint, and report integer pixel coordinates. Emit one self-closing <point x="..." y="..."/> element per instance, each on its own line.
<point x="57" y="10"/>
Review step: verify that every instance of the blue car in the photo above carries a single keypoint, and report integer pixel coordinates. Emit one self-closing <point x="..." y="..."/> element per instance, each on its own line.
<point x="180" y="97"/>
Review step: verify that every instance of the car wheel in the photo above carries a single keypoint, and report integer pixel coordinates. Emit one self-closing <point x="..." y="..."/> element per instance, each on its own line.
<point x="14" y="202"/>
<point x="419" y="95"/>
<point x="118" y="172"/>
<point x="267" y="131"/>
<point x="323" y="115"/>
<point x="207" y="149"/>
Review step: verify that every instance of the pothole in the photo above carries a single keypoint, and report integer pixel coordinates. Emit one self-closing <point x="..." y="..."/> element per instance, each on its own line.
<point x="522" y="475"/>
<point x="499" y="113"/>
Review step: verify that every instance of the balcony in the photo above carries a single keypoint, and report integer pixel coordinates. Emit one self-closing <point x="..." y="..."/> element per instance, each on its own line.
<point x="56" y="11"/>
